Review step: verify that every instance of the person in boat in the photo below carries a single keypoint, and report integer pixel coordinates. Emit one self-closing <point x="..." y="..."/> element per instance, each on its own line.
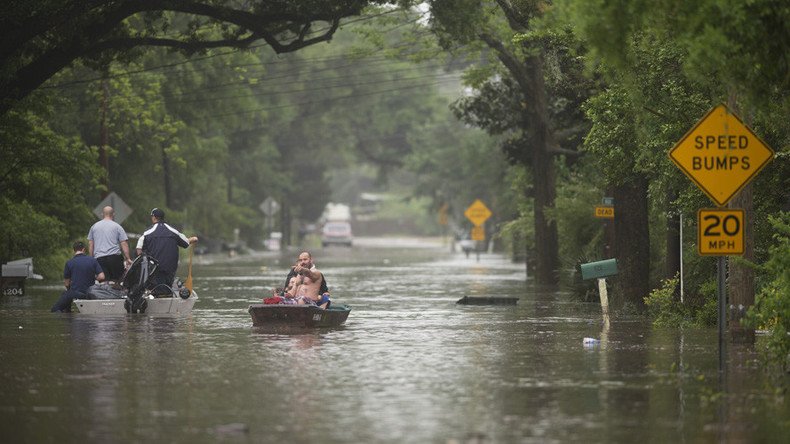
<point x="161" y="242"/>
<point x="80" y="272"/>
<point x="106" y="241"/>
<point x="307" y="284"/>
<point x="291" y="284"/>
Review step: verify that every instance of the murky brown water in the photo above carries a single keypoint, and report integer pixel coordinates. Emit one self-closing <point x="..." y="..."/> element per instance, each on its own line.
<point x="410" y="366"/>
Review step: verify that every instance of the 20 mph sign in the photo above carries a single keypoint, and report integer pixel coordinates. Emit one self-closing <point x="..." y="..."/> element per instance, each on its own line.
<point x="720" y="232"/>
<point x="720" y="154"/>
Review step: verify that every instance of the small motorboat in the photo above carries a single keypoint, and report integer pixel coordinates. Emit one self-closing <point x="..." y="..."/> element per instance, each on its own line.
<point x="153" y="305"/>
<point x="133" y="295"/>
<point x="299" y="316"/>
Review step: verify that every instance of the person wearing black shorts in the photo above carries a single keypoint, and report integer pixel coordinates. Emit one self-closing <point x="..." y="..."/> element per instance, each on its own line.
<point x="107" y="241"/>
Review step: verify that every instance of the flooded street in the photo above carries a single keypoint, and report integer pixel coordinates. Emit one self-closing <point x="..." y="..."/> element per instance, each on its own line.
<point x="409" y="366"/>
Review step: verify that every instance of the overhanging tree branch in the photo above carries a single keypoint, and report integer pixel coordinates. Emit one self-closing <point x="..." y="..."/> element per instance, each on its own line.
<point x="37" y="43"/>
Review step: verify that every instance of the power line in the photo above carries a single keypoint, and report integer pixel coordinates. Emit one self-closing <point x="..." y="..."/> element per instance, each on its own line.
<point x="316" y="88"/>
<point x="349" y="96"/>
<point x="269" y="78"/>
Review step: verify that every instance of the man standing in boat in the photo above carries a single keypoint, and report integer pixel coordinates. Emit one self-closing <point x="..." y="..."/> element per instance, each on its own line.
<point x="309" y="282"/>
<point x="106" y="241"/>
<point x="161" y="242"/>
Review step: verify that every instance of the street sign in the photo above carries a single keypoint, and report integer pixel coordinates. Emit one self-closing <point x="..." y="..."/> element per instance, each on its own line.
<point x="270" y="207"/>
<point x="609" y="201"/>
<point x="604" y="212"/>
<point x="720" y="232"/>
<point x="478" y="212"/>
<point x="122" y="211"/>
<point x="478" y="233"/>
<point x="720" y="154"/>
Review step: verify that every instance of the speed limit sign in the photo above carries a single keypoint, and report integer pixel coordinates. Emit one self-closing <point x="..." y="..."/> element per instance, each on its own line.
<point x="720" y="232"/>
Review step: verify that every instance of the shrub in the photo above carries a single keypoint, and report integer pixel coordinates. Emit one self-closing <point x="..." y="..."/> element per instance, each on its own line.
<point x="698" y="309"/>
<point x="771" y="310"/>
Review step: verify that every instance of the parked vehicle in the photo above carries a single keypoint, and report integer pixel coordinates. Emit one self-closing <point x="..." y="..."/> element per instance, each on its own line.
<point x="337" y="233"/>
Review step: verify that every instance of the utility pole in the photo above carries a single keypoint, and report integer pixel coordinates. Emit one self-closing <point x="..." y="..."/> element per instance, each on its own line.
<point x="104" y="137"/>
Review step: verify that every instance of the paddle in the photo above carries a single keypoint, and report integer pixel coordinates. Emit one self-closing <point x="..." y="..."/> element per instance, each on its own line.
<point x="188" y="283"/>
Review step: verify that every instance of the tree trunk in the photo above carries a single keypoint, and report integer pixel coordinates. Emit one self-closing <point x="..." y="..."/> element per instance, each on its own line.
<point x="546" y="237"/>
<point x="741" y="278"/>
<point x="229" y="191"/>
<point x="528" y="73"/>
<point x="166" y="177"/>
<point x="632" y="242"/>
<point x="104" y="138"/>
<point x="544" y="178"/>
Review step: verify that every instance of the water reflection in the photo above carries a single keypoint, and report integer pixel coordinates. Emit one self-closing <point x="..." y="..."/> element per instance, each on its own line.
<point x="408" y="366"/>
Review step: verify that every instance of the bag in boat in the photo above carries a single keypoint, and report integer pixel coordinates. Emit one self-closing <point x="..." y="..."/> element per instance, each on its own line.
<point x="273" y="300"/>
<point x="105" y="291"/>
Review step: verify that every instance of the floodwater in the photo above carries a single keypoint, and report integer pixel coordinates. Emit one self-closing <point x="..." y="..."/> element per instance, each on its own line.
<point x="409" y="366"/>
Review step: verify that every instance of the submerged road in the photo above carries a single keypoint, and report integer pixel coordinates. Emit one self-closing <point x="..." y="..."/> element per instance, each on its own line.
<point x="409" y="366"/>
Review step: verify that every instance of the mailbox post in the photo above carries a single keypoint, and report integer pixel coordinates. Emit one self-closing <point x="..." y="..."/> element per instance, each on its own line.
<point x="601" y="270"/>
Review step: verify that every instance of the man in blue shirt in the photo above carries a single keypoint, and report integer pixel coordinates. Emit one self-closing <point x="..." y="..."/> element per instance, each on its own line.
<point x="161" y="242"/>
<point x="80" y="272"/>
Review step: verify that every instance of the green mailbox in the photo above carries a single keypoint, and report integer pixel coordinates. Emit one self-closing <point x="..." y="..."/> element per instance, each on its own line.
<point x="600" y="269"/>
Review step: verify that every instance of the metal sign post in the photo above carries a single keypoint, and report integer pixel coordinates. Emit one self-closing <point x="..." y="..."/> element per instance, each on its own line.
<point x="721" y="288"/>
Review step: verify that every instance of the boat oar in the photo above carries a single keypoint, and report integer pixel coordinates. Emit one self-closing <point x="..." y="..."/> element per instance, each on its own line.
<point x="188" y="283"/>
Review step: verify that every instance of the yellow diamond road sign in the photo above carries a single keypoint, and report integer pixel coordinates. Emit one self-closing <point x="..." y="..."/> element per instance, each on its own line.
<point x="478" y="212"/>
<point x="720" y="154"/>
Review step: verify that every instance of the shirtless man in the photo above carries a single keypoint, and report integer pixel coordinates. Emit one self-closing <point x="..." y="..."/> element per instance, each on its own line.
<point x="307" y="282"/>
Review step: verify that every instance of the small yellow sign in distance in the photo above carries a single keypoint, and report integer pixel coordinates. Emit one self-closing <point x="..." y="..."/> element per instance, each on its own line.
<point x="478" y="233"/>
<point x="604" y="212"/>
<point x="720" y="154"/>
<point x="477" y="213"/>
<point x="720" y="232"/>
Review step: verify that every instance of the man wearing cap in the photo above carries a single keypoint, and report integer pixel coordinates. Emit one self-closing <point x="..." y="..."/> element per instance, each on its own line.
<point x="80" y="272"/>
<point x="161" y="242"/>
<point x="106" y="241"/>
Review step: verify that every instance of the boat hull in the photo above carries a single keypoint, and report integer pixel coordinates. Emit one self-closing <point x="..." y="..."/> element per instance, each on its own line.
<point x="300" y="316"/>
<point x="170" y="305"/>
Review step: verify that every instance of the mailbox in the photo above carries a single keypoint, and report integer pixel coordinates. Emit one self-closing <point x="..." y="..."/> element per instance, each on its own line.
<point x="13" y="275"/>
<point x="600" y="269"/>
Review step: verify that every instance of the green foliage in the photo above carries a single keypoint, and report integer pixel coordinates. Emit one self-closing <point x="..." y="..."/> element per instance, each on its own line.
<point x="697" y="310"/>
<point x="518" y="233"/>
<point x="208" y="139"/>
<point x="612" y="135"/>
<point x="454" y="165"/>
<point x="581" y="234"/>
<point x="771" y="310"/>
<point x="43" y="176"/>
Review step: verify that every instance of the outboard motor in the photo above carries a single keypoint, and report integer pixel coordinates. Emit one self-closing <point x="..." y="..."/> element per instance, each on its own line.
<point x="135" y="280"/>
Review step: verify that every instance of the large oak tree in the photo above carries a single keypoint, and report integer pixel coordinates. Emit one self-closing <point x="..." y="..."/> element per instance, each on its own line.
<point x="38" y="38"/>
